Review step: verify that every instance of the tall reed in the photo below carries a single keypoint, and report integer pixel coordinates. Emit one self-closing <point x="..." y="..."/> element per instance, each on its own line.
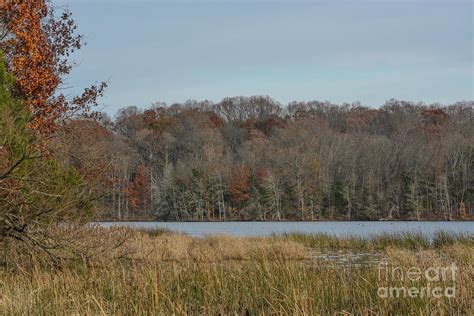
<point x="175" y="274"/>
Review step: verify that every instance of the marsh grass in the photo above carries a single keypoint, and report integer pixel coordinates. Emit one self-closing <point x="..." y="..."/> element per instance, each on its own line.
<point x="413" y="241"/>
<point x="165" y="273"/>
<point x="154" y="232"/>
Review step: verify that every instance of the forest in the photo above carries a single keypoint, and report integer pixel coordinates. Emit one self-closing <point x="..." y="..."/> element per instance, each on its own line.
<point x="64" y="166"/>
<point x="242" y="158"/>
<point x="252" y="158"/>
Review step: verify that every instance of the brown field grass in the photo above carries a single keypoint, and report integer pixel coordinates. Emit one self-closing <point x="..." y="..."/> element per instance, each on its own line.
<point x="161" y="273"/>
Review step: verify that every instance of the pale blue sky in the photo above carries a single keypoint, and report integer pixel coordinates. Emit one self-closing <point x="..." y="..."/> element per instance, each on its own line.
<point x="339" y="50"/>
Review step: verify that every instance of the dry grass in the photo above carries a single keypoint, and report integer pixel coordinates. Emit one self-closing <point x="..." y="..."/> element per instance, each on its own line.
<point x="165" y="273"/>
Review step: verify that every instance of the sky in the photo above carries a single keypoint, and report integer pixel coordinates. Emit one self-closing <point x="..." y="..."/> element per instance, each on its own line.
<point x="337" y="50"/>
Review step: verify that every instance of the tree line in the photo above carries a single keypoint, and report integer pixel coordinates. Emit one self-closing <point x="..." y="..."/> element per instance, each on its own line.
<point x="251" y="158"/>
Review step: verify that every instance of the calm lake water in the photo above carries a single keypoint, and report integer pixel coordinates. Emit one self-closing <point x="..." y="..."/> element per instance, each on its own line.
<point x="339" y="228"/>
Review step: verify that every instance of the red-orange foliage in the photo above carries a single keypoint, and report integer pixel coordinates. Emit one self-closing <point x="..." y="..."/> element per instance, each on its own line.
<point x="215" y="121"/>
<point x="239" y="186"/>
<point x="269" y="123"/>
<point x="158" y="120"/>
<point x="262" y="173"/>
<point x="37" y="45"/>
<point x="361" y="118"/>
<point x="435" y="117"/>
<point x="433" y="122"/>
<point x="266" y="124"/>
<point x="462" y="211"/>
<point x="139" y="189"/>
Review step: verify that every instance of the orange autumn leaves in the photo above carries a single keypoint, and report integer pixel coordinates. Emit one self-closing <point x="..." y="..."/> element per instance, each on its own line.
<point x="139" y="189"/>
<point x="32" y="60"/>
<point x="37" y="45"/>
<point x="239" y="186"/>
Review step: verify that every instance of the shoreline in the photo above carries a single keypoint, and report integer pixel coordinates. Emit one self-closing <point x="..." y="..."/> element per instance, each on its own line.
<point x="284" y="221"/>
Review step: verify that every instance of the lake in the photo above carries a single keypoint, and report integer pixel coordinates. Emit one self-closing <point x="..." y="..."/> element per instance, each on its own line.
<point x="337" y="228"/>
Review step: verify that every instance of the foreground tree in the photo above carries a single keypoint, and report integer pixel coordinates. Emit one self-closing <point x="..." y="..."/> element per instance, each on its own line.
<point x="37" y="43"/>
<point x="35" y="191"/>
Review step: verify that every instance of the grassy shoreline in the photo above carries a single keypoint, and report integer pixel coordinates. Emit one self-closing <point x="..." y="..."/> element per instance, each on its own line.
<point x="160" y="272"/>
